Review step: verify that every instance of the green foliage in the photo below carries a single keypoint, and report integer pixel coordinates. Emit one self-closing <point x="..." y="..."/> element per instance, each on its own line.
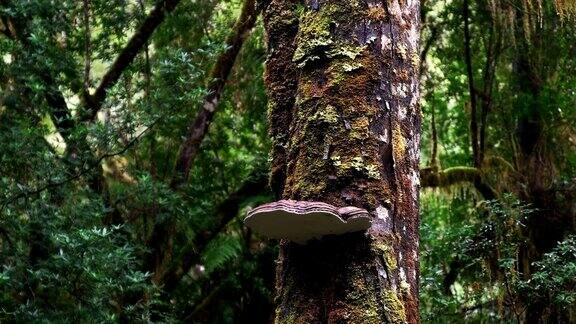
<point x="554" y="280"/>
<point x="220" y="251"/>
<point x="474" y="246"/>
<point x="76" y="251"/>
<point x="79" y="205"/>
<point x="61" y="262"/>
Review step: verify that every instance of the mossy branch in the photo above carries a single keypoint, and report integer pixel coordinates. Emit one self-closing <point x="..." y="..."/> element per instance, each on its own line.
<point x="431" y="178"/>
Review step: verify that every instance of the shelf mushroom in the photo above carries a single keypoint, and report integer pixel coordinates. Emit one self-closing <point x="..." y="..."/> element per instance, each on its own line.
<point x="300" y="221"/>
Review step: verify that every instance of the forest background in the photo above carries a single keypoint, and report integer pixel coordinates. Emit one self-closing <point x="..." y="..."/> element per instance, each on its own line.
<point x="110" y="209"/>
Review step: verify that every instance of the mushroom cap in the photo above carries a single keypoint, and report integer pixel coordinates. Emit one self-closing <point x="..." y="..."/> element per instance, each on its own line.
<point x="300" y="221"/>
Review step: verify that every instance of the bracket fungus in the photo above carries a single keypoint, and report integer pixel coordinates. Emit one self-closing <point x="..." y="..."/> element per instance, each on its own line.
<point x="300" y="221"/>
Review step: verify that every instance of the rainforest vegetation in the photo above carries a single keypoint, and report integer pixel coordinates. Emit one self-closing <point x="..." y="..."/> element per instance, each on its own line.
<point x="135" y="135"/>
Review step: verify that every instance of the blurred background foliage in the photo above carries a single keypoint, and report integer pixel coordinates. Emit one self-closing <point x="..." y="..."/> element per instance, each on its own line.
<point x="81" y="199"/>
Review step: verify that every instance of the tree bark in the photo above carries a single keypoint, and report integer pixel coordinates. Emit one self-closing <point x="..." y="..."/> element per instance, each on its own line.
<point x="350" y="137"/>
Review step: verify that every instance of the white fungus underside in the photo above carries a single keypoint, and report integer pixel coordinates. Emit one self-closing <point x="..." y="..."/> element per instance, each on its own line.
<point x="299" y="228"/>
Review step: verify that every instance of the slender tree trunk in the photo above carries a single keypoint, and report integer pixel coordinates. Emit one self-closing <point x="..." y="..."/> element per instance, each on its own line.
<point x="342" y="78"/>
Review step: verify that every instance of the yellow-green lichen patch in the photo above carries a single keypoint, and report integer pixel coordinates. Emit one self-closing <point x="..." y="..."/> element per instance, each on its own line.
<point x="315" y="42"/>
<point x="404" y="287"/>
<point x="388" y="255"/>
<point x="401" y="51"/>
<point x="349" y="166"/>
<point x="373" y="171"/>
<point x="349" y="51"/>
<point x="327" y="114"/>
<point x="394" y="307"/>
<point x="352" y="66"/>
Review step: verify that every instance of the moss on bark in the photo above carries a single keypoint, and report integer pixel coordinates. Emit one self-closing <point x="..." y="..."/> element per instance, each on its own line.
<point x="352" y="139"/>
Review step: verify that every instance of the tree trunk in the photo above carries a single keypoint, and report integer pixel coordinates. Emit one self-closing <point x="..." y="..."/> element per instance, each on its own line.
<point x="342" y="79"/>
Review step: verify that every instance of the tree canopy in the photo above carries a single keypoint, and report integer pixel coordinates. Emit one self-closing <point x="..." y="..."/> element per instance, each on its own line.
<point x="134" y="137"/>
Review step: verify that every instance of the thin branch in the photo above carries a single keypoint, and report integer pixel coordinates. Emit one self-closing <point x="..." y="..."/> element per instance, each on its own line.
<point x="493" y="51"/>
<point x="470" y="73"/>
<point x="226" y="211"/>
<point x="434" y="156"/>
<point x="199" y="127"/>
<point x="87" y="45"/>
<point x="161" y="239"/>
<point x="434" y="34"/>
<point x="125" y="58"/>
<point x="86" y="170"/>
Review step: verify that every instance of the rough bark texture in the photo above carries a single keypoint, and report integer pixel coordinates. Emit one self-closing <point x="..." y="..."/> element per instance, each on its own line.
<point x="351" y="137"/>
<point x="281" y="77"/>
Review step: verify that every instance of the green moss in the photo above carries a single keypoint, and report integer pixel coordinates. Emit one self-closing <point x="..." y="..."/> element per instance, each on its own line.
<point x="314" y="38"/>
<point x="310" y="188"/>
<point x="394" y="307"/>
<point x="361" y="300"/>
<point x="371" y="315"/>
<point x="314" y="35"/>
